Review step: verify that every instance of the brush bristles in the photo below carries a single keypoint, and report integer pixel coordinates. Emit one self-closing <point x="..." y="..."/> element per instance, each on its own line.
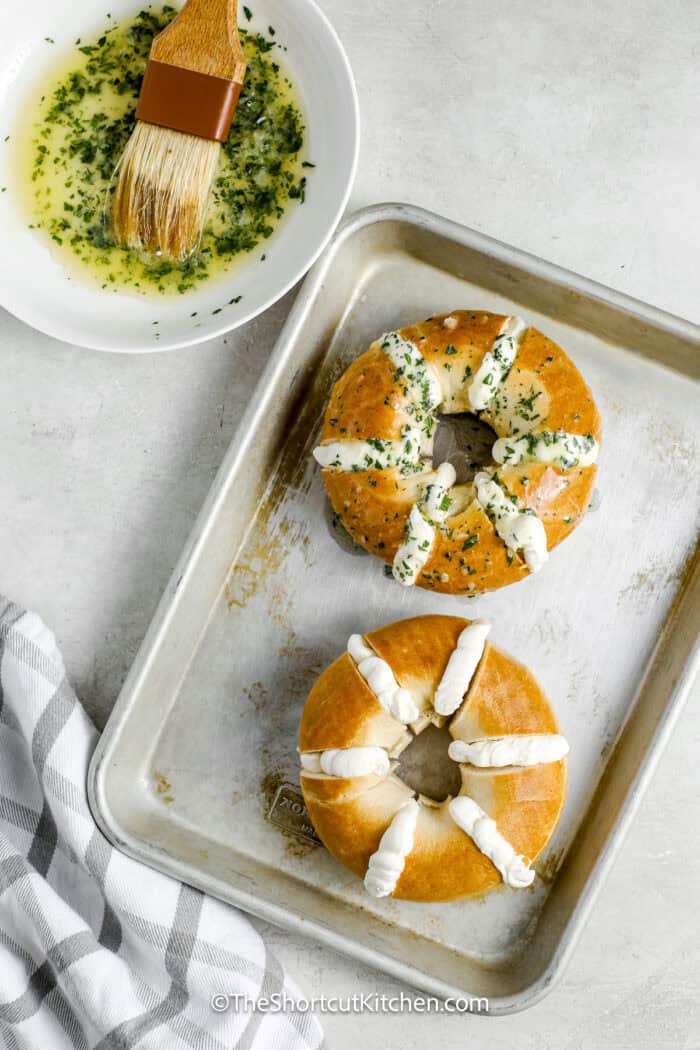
<point x="163" y="183"/>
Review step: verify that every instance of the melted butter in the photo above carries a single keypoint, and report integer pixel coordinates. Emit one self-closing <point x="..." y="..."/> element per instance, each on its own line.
<point x="73" y="129"/>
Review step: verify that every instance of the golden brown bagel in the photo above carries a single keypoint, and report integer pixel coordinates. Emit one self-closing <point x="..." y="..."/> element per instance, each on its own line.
<point x="351" y="813"/>
<point x="541" y="394"/>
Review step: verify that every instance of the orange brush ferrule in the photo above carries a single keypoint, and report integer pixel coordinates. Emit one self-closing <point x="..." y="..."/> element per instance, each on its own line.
<point x="184" y="100"/>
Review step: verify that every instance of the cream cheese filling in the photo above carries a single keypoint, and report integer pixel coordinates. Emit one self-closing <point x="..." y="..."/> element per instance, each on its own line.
<point x="526" y="749"/>
<point x="482" y="830"/>
<point x="430" y="511"/>
<point x="461" y="666"/>
<point x="520" y="530"/>
<point x="548" y="446"/>
<point x="496" y="364"/>
<point x="387" y="863"/>
<point x="372" y="453"/>
<point x="347" y="761"/>
<point x="397" y="701"/>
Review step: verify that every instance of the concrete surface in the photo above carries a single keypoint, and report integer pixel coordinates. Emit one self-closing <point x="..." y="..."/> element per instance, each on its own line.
<point x="567" y="128"/>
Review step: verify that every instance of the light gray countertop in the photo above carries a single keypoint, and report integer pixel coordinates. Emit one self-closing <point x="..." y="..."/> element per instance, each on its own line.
<point x="565" y="128"/>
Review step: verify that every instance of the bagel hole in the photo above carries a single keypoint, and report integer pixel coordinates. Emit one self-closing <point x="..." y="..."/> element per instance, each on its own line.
<point x="465" y="441"/>
<point x="426" y="766"/>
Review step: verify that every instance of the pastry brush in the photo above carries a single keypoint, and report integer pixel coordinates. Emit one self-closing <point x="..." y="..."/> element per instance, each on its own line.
<point x="190" y="89"/>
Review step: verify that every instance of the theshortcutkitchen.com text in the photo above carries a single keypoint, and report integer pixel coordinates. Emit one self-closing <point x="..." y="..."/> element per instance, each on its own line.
<point x="358" y="1003"/>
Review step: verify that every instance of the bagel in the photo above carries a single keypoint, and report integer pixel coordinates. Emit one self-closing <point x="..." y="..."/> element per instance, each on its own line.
<point x="504" y="736"/>
<point x="377" y="442"/>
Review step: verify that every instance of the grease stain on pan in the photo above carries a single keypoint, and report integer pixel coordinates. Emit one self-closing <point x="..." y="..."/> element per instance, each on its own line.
<point x="577" y="682"/>
<point x="263" y="556"/>
<point x="163" y="787"/>
<point x="597" y="702"/>
<point x="548" y="867"/>
<point x="257" y="695"/>
<point x="647" y="586"/>
<point x="672" y="444"/>
<point x="610" y="405"/>
<point x="276" y="530"/>
<point x="551" y="630"/>
<point x="305" y="669"/>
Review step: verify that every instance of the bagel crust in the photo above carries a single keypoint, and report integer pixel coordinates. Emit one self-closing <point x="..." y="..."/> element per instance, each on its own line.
<point x="502" y="699"/>
<point x="529" y="388"/>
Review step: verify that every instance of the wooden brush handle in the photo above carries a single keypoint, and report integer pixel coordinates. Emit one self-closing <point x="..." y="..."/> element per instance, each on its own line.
<point x="203" y="37"/>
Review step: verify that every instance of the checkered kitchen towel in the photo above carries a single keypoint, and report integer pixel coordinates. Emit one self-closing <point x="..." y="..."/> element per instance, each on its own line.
<point x="95" y="949"/>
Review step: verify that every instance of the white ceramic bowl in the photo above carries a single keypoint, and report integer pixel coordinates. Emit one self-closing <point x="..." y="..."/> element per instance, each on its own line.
<point x="33" y="284"/>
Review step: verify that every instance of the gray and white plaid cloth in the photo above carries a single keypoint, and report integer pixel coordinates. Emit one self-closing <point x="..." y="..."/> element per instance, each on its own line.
<point x="95" y="949"/>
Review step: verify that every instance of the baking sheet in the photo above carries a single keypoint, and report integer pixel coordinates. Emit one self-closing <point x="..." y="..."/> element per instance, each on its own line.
<point x="197" y="771"/>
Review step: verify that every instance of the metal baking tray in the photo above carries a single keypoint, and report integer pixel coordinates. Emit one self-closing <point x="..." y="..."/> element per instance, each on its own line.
<point x="197" y="773"/>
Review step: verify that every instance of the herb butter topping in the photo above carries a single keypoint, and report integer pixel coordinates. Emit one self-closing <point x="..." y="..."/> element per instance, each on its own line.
<point x="429" y="512"/>
<point x="521" y="530"/>
<point x="463" y="662"/>
<point x="387" y="863"/>
<point x="372" y="453"/>
<point x="548" y="446"/>
<point x="380" y="678"/>
<point x="523" y="749"/>
<point x="496" y="364"/>
<point x="77" y="125"/>
<point x="482" y="830"/>
<point x="347" y="762"/>
<point x="518" y="526"/>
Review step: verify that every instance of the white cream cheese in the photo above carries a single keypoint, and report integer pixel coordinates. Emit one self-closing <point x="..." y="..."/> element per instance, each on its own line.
<point x="435" y="501"/>
<point x="496" y="364"/>
<point x="450" y="323"/>
<point x="386" y="865"/>
<point x="380" y="678"/>
<point x="519" y="530"/>
<point x="358" y="648"/>
<point x="430" y="510"/>
<point x="347" y="761"/>
<point x="548" y="446"/>
<point x="415" y="549"/>
<point x="526" y="749"/>
<point x="461" y="666"/>
<point x="470" y="817"/>
<point x="372" y="453"/>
